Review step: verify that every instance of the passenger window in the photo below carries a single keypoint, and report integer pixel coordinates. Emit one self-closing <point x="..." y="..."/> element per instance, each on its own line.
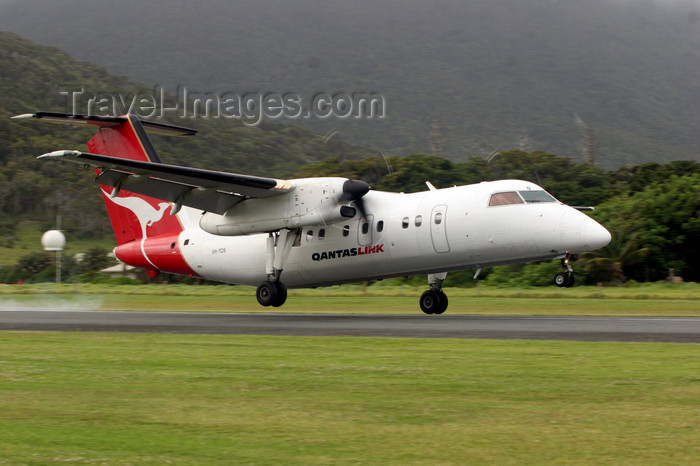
<point x="506" y="198"/>
<point x="438" y="218"/>
<point x="404" y="223"/>
<point x="380" y="226"/>
<point x="419" y="220"/>
<point x="365" y="228"/>
<point x="321" y="233"/>
<point x="346" y="230"/>
<point x="309" y="235"/>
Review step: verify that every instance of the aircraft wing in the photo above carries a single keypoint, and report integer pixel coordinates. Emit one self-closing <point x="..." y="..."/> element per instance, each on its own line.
<point x="207" y="190"/>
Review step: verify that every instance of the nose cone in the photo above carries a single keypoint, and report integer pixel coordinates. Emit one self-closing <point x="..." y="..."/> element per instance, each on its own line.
<point x="595" y="235"/>
<point x="580" y="233"/>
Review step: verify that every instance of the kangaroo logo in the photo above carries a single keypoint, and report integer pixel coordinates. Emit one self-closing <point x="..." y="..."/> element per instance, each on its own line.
<point x="146" y="214"/>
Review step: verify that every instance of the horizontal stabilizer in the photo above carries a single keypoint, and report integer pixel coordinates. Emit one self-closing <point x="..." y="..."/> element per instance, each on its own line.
<point x="107" y="122"/>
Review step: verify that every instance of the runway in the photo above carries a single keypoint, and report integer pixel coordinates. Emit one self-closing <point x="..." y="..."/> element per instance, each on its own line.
<point x="625" y="329"/>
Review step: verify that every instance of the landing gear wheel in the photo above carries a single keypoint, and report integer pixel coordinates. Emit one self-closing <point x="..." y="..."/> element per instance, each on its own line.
<point x="571" y="281"/>
<point x="267" y="293"/>
<point x="443" y="302"/>
<point x="564" y="279"/>
<point x="429" y="302"/>
<point x="560" y="279"/>
<point x="433" y="302"/>
<point x="281" y="294"/>
<point x="271" y="294"/>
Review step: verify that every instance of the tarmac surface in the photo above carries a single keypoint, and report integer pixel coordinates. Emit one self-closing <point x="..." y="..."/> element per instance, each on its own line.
<point x="625" y="329"/>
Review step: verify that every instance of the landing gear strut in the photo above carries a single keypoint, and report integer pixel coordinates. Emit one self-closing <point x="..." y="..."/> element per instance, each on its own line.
<point x="273" y="292"/>
<point x="566" y="279"/>
<point x="434" y="301"/>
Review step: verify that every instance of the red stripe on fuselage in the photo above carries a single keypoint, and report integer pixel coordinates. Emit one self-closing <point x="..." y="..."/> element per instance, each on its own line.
<point x="162" y="252"/>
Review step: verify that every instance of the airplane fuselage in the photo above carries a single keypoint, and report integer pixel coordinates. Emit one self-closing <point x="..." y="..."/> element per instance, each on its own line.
<point x="402" y="234"/>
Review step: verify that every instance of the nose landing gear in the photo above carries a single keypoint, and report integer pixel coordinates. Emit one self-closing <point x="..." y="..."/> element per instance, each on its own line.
<point x="566" y="279"/>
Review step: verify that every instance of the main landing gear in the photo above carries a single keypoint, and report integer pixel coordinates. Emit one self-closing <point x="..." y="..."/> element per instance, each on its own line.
<point x="566" y="279"/>
<point x="434" y="301"/>
<point x="273" y="292"/>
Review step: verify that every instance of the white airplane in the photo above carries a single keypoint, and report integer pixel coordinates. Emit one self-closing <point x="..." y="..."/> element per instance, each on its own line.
<point x="320" y="231"/>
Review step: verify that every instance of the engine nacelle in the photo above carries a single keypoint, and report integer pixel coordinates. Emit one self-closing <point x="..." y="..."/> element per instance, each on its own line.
<point x="313" y="201"/>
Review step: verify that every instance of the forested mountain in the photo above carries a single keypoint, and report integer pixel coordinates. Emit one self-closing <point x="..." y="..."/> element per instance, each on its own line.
<point x="460" y="77"/>
<point x="31" y="77"/>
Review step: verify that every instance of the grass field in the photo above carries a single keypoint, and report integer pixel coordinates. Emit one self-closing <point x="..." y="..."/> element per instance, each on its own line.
<point x="209" y="399"/>
<point x="184" y="399"/>
<point x="651" y="299"/>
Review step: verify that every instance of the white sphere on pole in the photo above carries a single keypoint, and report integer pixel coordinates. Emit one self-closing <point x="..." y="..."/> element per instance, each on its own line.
<point x="53" y="240"/>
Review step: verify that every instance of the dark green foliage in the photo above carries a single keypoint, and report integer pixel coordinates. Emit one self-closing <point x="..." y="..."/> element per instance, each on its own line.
<point x="608" y="265"/>
<point x="33" y="263"/>
<point x="639" y="177"/>
<point x="574" y="184"/>
<point x="663" y="217"/>
<point x="41" y="266"/>
<point x="101" y="278"/>
<point x="94" y="260"/>
<point x="541" y="274"/>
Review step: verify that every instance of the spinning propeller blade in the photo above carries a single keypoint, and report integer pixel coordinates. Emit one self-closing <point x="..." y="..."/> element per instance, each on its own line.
<point x="353" y="190"/>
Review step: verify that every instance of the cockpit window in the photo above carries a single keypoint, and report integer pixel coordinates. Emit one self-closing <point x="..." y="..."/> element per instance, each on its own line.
<point x="510" y="197"/>
<point x="520" y="197"/>
<point x="536" y="196"/>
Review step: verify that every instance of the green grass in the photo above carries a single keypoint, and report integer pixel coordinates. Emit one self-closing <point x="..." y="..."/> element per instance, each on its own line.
<point x="126" y="398"/>
<point x="640" y="300"/>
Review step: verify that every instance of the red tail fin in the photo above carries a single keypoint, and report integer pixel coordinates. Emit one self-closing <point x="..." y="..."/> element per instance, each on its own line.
<point x="133" y="216"/>
<point x="146" y="235"/>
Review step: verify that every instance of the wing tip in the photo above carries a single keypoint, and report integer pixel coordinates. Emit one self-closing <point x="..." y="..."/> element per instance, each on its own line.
<point x="59" y="153"/>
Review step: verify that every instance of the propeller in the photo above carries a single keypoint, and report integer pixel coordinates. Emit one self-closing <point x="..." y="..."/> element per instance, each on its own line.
<point x="353" y="190"/>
